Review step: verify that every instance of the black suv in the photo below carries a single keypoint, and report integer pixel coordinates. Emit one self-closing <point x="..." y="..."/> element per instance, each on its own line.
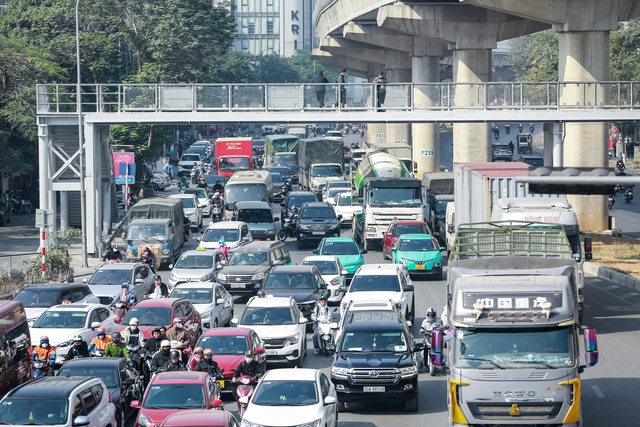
<point x="302" y="282"/>
<point x="317" y="221"/>
<point x="297" y="198"/>
<point x="250" y="264"/>
<point x="383" y="337"/>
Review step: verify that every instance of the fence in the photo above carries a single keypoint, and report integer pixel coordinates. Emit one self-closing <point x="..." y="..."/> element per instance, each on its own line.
<point x="15" y="273"/>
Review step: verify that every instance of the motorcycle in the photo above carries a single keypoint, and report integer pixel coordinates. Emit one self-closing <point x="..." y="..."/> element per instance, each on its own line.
<point x="354" y="129"/>
<point x="326" y="332"/>
<point x="507" y="128"/>
<point x="611" y="201"/>
<point x="194" y="175"/>
<point x="134" y="354"/>
<point x="120" y="309"/>
<point x="112" y="261"/>
<point x="361" y="133"/>
<point x="426" y="355"/>
<point x="148" y="260"/>
<point x="628" y="195"/>
<point x="620" y="165"/>
<point x="289" y="228"/>
<point x="39" y="369"/>
<point x="496" y="135"/>
<point x="97" y="352"/>
<point x="216" y="213"/>
<point x="531" y="128"/>
<point x="520" y="128"/>
<point x="244" y="391"/>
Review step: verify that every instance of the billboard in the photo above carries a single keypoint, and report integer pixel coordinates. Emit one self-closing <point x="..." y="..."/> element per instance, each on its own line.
<point x="124" y="167"/>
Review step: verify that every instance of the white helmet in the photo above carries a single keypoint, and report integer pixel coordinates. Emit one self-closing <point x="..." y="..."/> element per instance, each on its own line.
<point x="133" y="321"/>
<point x="165" y="343"/>
<point x="431" y="313"/>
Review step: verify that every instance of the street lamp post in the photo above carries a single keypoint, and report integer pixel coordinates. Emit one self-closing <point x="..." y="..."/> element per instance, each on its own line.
<point x="83" y="201"/>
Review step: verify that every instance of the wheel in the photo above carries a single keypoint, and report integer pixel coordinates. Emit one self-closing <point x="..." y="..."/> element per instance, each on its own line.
<point x="155" y="186"/>
<point x="299" y="244"/>
<point x="240" y="410"/>
<point x="432" y="369"/>
<point x="341" y="406"/>
<point x="411" y="405"/>
<point x="121" y="417"/>
<point x="282" y="235"/>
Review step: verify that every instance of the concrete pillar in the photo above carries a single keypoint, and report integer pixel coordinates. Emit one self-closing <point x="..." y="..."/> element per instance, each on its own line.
<point x="43" y="155"/>
<point x="398" y="132"/>
<point x="471" y="141"/>
<point x="51" y="204"/>
<point x="90" y="186"/>
<point x="558" y="145"/>
<point x="376" y="133"/>
<point x="64" y="210"/>
<point x="425" y="136"/>
<point x="547" y="148"/>
<point x="584" y="56"/>
<point x="106" y="207"/>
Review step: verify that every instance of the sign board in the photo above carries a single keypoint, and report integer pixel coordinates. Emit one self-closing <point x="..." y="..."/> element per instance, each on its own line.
<point x="44" y="218"/>
<point x="122" y="162"/>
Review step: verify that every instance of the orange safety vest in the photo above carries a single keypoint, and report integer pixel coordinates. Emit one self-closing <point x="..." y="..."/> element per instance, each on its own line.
<point x="101" y="344"/>
<point x="44" y="353"/>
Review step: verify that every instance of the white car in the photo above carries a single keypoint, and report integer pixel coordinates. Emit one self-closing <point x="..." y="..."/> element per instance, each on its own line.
<point x="201" y="265"/>
<point x="280" y="325"/>
<point x="382" y="282"/>
<point x="190" y="209"/>
<point x="334" y="187"/>
<point x="235" y="234"/>
<point x="62" y="322"/>
<point x="293" y="397"/>
<point x="203" y="199"/>
<point x="332" y="273"/>
<point x="210" y="299"/>
<point x="344" y="205"/>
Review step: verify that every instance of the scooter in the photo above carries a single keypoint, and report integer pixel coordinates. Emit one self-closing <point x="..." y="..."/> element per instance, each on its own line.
<point x="531" y="128"/>
<point x="611" y="201"/>
<point x="39" y="369"/>
<point x="620" y="165"/>
<point x="426" y="358"/>
<point x="244" y="391"/>
<point x="120" y="309"/>
<point x="507" y="128"/>
<point x="496" y="135"/>
<point x="326" y="330"/>
<point x="361" y="133"/>
<point x="289" y="228"/>
<point x="194" y="175"/>
<point x="628" y="195"/>
<point x="520" y="128"/>
<point x="134" y="355"/>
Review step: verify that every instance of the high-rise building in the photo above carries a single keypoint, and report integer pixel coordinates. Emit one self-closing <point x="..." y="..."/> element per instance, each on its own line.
<point x="274" y="26"/>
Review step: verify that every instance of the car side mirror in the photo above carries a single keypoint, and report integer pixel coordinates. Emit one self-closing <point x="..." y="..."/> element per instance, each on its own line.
<point x="339" y="217"/>
<point x="234" y="321"/>
<point x="84" y="280"/>
<point x="363" y="251"/>
<point x="450" y="228"/>
<point x="323" y="286"/>
<point x="276" y="262"/>
<point x="342" y="289"/>
<point x="258" y="350"/>
<point x="139" y="281"/>
<point x="315" y="252"/>
<point x="220" y="301"/>
<point x="95" y="325"/>
<point x="409" y="287"/>
<point x="170" y="266"/>
<point x="276" y="219"/>
<point x="331" y="347"/>
<point x="329" y="400"/>
<point x="303" y="320"/>
<point x="394" y="248"/>
<point x="244" y="400"/>
<point x="83" y="420"/>
<point x="135" y="404"/>
<point x="117" y="320"/>
<point x="187" y="351"/>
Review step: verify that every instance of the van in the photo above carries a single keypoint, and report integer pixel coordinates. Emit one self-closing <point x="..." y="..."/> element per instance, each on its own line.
<point x="259" y="217"/>
<point x="186" y="163"/>
<point x="15" y="358"/>
<point x="248" y="186"/>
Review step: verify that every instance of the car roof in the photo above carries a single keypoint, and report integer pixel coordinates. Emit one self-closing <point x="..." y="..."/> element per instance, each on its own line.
<point x="75" y="307"/>
<point x="316" y="205"/>
<point x="409" y="222"/>
<point x="120" y="266"/>
<point x="192" y="190"/>
<point x="285" y="269"/>
<point x="195" y="285"/>
<point x="94" y="362"/>
<point x="198" y="418"/>
<point x="200" y="252"/>
<point x="374" y="320"/>
<point x="189" y="377"/>
<point x="339" y="239"/>
<point x="216" y="332"/>
<point x="291" y="374"/>
<point x="320" y="258"/>
<point x="259" y="246"/>
<point x="224" y="225"/>
<point x="253" y="205"/>
<point x="182" y="196"/>
<point x="417" y="236"/>
<point x="338" y="181"/>
<point x="46" y="387"/>
<point x="380" y="269"/>
<point x="271" y="302"/>
<point x="52" y="285"/>
<point x="159" y="302"/>
<point x="301" y="193"/>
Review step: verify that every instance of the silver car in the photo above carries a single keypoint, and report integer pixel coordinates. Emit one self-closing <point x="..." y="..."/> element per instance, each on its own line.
<point x="190" y="209"/>
<point x="203" y="199"/>
<point x="211" y="300"/>
<point x="107" y="280"/>
<point x="200" y="265"/>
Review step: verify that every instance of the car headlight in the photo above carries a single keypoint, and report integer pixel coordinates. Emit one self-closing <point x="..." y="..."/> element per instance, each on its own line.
<point x="310" y="302"/>
<point x="371" y="229"/>
<point x="246" y="423"/>
<point x="173" y="277"/>
<point x="222" y="276"/>
<point x="257" y="276"/>
<point x="165" y="251"/>
<point x="410" y="370"/>
<point x="205" y="278"/>
<point x="304" y="227"/>
<point x="293" y="339"/>
<point x="271" y="231"/>
<point x="339" y="371"/>
<point x="143" y="420"/>
<point x="206" y="314"/>
<point x="315" y="423"/>
<point x="66" y="344"/>
<point x="437" y="264"/>
<point x="335" y="281"/>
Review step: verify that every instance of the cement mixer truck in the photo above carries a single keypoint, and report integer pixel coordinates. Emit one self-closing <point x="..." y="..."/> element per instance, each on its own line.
<point x="386" y="192"/>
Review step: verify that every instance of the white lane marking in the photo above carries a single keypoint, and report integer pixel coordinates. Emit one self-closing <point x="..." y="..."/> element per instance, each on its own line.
<point x="608" y="288"/>
<point x="630" y="294"/>
<point x="597" y="391"/>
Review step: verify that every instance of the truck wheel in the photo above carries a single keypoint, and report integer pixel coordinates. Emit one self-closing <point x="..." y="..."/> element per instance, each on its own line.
<point x="411" y="405"/>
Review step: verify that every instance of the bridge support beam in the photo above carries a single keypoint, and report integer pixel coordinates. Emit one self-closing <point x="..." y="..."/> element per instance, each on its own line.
<point x="425" y="136"/>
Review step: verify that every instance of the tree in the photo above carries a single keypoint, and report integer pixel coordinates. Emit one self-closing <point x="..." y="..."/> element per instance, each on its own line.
<point x="625" y="51"/>
<point x="535" y="57"/>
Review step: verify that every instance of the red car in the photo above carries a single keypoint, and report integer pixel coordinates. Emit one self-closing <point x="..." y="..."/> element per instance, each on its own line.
<point x="199" y="418"/>
<point x="171" y="392"/>
<point x="396" y="229"/>
<point x="161" y="312"/>
<point x="229" y="345"/>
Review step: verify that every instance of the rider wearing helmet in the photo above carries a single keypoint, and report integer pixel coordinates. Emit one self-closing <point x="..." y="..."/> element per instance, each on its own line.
<point x="45" y="352"/>
<point x="158" y="289"/>
<point x="78" y="350"/>
<point x="261" y="293"/>
<point x="178" y="333"/>
<point x="147" y="257"/>
<point x="217" y="187"/>
<point x="222" y="246"/>
<point x="153" y="344"/>
<point x="100" y="341"/>
<point x="431" y="320"/>
<point x="197" y="357"/>
<point x="125" y="296"/>
<point x="207" y="364"/>
<point x="248" y="367"/>
<point x="161" y="357"/>
<point x="174" y="363"/>
<point x="117" y="348"/>
<point x="113" y="254"/>
<point x="294" y="211"/>
<point x="183" y="183"/>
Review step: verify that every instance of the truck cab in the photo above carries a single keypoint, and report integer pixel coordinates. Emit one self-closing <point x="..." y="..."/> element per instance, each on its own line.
<point x="321" y="173"/>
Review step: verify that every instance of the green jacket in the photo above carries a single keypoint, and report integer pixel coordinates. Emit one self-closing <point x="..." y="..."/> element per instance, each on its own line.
<point x="113" y="350"/>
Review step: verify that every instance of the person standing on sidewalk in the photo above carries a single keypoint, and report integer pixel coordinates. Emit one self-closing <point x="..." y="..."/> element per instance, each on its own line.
<point x="381" y="88"/>
<point x="320" y="80"/>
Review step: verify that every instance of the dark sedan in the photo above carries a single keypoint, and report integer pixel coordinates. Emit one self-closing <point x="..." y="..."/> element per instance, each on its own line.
<point x="123" y="382"/>
<point x="302" y="282"/>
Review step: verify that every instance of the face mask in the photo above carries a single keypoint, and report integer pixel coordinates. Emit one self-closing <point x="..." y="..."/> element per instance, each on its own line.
<point x="208" y="359"/>
<point x="179" y="325"/>
<point x="165" y="351"/>
<point x="101" y="337"/>
<point x="198" y="356"/>
<point x="44" y="345"/>
<point x="77" y="344"/>
<point x="134" y="327"/>
<point x="248" y="360"/>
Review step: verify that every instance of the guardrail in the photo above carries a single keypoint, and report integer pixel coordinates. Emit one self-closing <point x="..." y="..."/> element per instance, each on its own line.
<point x="15" y="273"/>
<point x="301" y="97"/>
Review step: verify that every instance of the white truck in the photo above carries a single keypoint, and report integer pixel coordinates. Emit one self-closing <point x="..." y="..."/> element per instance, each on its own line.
<point x="319" y="160"/>
<point x="512" y="320"/>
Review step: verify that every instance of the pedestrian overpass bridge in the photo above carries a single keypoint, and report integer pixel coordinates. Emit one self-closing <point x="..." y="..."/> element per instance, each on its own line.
<point x="181" y="104"/>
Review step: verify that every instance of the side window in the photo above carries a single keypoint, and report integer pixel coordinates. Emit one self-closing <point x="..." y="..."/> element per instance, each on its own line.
<point x="98" y="393"/>
<point x="219" y="293"/>
<point x="285" y="255"/>
<point x="272" y="256"/>
<point x="245" y="231"/>
<point x="103" y="314"/>
<point x="66" y="295"/>
<point x="233" y="422"/>
<point x="138" y="273"/>
<point x="187" y="309"/>
<point x="402" y="281"/>
<point x="255" y="340"/>
<point x="89" y="400"/>
<point x="392" y="229"/>
<point x="324" y="385"/>
<point x="278" y="254"/>
<point x="77" y="295"/>
<point x="78" y="408"/>
<point x="318" y="280"/>
<point x="93" y="317"/>
<point x="85" y="291"/>
<point x="219" y="258"/>
<point x="12" y="340"/>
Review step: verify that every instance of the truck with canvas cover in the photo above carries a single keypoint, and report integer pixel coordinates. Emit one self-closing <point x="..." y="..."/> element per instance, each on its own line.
<point x="281" y="150"/>
<point x="386" y="191"/>
<point x="234" y="155"/>
<point x="437" y="191"/>
<point x="512" y="327"/>
<point x="319" y="160"/>
<point x="524" y="143"/>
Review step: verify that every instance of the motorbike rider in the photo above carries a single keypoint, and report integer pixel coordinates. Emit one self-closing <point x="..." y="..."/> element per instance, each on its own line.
<point x="147" y="257"/>
<point x="431" y="322"/>
<point x="78" y="350"/>
<point x="203" y="184"/>
<point x="507" y="127"/>
<point x="174" y="364"/>
<point x="100" y="341"/>
<point x="207" y="364"/>
<point x="261" y="293"/>
<point x="158" y="289"/>
<point x="520" y="127"/>
<point x="117" y="348"/>
<point x="511" y="145"/>
<point x="183" y="183"/>
<point x="125" y="296"/>
<point x="113" y="254"/>
<point x="45" y="352"/>
<point x="153" y="344"/>
<point x="320" y="313"/>
<point x="222" y="246"/>
<point x="217" y="186"/>
<point x="247" y="367"/>
<point x="161" y="357"/>
<point x="197" y="357"/>
<point x="133" y="337"/>
<point x="178" y="333"/>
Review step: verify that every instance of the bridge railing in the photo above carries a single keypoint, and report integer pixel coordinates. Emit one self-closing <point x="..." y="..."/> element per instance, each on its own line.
<point x="303" y="97"/>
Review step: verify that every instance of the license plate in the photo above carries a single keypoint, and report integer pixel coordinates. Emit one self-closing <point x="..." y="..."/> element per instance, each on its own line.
<point x="373" y="389"/>
<point x="221" y="382"/>
<point x="237" y="286"/>
<point x="271" y="352"/>
<point x="419" y="267"/>
<point x="318" y="233"/>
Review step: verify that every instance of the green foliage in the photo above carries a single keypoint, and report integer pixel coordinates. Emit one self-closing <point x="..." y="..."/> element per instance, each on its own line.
<point x="57" y="257"/>
<point x="535" y="57"/>
<point x="148" y="140"/>
<point x="625" y="51"/>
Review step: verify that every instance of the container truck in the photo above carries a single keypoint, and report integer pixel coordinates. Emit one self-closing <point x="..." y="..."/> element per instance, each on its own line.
<point x="319" y="160"/>
<point x="386" y="191"/>
<point x="513" y="336"/>
<point x="233" y="155"/>
<point x="437" y="191"/>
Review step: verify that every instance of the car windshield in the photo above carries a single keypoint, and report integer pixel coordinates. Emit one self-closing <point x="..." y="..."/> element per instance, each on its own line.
<point x="255" y="216"/>
<point x="178" y="396"/>
<point x="501" y="146"/>
<point x="199" y="192"/>
<point x="285" y="158"/>
<point x="110" y="277"/>
<point x="233" y="164"/>
<point x="268" y="316"/>
<point x="392" y="341"/>
<point x="245" y="193"/>
<point x="317" y="213"/>
<point x="195" y="261"/>
<point x="149" y="316"/>
<point x="108" y="375"/>
<point x="333" y="191"/>
<point x="277" y="178"/>
<point x="147" y="232"/>
<point x="299" y="199"/>
<point x="327" y="170"/>
<point x="61" y="320"/>
<point x="212" y="179"/>
<point x="249" y="258"/>
<point x="513" y="348"/>
<point x="325" y="267"/>
<point x="340" y="248"/>
<point x="441" y="206"/>
<point x="283" y="172"/>
<point x="34" y="411"/>
<point x="368" y="283"/>
<point x="190" y="158"/>
<point x="285" y="393"/>
<point x="289" y="281"/>
<point x="229" y="235"/>
<point x="417" y="245"/>
<point x="225" y="344"/>
<point x="195" y="295"/>
<point x="344" y="200"/>
<point x="339" y="184"/>
<point x="392" y="196"/>
<point x="187" y="203"/>
<point x="38" y="297"/>
<point x="409" y="229"/>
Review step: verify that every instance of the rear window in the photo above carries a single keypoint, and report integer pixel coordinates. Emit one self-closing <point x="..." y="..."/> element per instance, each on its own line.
<point x="299" y="199"/>
<point x="190" y="158"/>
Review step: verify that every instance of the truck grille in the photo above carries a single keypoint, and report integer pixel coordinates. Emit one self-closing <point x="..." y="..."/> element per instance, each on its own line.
<point x="538" y="411"/>
<point x="274" y="342"/>
<point x="374" y="376"/>
<point x="383" y="220"/>
<point x="238" y="279"/>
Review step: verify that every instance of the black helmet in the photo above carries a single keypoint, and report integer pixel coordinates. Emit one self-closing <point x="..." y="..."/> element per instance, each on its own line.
<point x="157" y="277"/>
<point x="175" y="354"/>
<point x="261" y="293"/>
<point x="146" y="249"/>
<point x="248" y="353"/>
<point x="116" y="336"/>
<point x="154" y="330"/>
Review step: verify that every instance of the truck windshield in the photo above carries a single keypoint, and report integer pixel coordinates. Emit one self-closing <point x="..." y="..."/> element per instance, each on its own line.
<point x="388" y="196"/>
<point x="233" y="164"/>
<point x="146" y="232"/>
<point x="513" y="348"/>
<point x="441" y="206"/>
<point x="245" y="193"/>
<point x="408" y="163"/>
<point x="285" y="158"/>
<point x="327" y="170"/>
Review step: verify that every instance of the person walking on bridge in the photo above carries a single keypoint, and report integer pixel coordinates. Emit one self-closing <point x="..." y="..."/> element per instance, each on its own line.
<point x="342" y="86"/>
<point x="381" y="88"/>
<point x="320" y="87"/>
